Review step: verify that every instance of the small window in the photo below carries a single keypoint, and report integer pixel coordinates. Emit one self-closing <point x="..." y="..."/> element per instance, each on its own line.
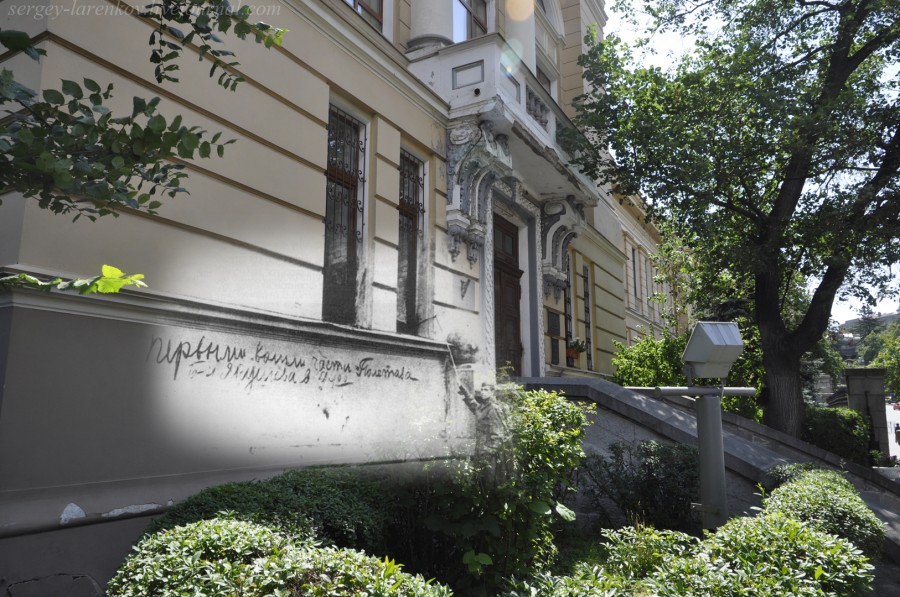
<point x="343" y="215"/>
<point x="543" y="80"/>
<point x="412" y="215"/>
<point x="469" y="19"/>
<point x="371" y="10"/>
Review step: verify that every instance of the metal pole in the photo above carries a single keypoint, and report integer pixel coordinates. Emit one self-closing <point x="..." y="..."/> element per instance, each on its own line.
<point x="713" y="499"/>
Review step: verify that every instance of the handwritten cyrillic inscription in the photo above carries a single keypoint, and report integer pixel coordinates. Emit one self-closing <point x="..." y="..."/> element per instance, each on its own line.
<point x="266" y="364"/>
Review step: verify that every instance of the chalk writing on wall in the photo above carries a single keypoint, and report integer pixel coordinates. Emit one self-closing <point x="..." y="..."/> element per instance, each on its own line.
<point x="261" y="365"/>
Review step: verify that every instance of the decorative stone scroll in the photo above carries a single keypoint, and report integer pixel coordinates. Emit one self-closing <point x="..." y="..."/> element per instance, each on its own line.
<point x="477" y="160"/>
<point x="563" y="218"/>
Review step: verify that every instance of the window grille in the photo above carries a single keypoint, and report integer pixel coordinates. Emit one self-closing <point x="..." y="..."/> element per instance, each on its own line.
<point x="343" y="215"/>
<point x="588" y="324"/>
<point x="412" y="225"/>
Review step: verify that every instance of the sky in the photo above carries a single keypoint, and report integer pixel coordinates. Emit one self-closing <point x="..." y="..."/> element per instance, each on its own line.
<point x="669" y="44"/>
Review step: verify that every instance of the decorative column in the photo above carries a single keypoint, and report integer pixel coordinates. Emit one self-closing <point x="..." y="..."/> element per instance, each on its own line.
<point x="431" y="23"/>
<point x="520" y="30"/>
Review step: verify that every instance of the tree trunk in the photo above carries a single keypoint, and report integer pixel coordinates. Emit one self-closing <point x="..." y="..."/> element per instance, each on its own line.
<point x="784" y="411"/>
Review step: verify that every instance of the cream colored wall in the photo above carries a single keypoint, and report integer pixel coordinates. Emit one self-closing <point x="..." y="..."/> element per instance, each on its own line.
<point x="260" y="208"/>
<point x="604" y="261"/>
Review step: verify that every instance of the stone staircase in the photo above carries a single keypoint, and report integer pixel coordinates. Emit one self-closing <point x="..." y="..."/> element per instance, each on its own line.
<point x="751" y="449"/>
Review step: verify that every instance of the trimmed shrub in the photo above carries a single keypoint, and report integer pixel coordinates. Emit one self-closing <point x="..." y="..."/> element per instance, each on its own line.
<point x="233" y="557"/>
<point x="785" y="473"/>
<point x="826" y="501"/>
<point x="651" y="482"/>
<point x="584" y="580"/>
<point x="766" y="556"/>
<point x="338" y="506"/>
<point x="772" y="555"/>
<point x="842" y="431"/>
<point x="634" y="553"/>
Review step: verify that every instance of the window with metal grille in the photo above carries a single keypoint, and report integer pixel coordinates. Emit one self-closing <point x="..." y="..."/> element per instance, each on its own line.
<point x="343" y="215"/>
<point x="370" y="10"/>
<point x="469" y="19"/>
<point x="567" y="305"/>
<point x="412" y="224"/>
<point x="588" y="324"/>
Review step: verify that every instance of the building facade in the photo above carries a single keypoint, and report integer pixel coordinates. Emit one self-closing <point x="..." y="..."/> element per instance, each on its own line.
<point x="397" y="195"/>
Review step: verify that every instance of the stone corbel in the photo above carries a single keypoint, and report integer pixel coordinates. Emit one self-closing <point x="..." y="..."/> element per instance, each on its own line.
<point x="554" y="281"/>
<point x="457" y="231"/>
<point x="476" y="241"/>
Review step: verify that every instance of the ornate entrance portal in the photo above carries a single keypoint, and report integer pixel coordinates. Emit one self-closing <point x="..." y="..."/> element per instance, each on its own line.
<point x="507" y="294"/>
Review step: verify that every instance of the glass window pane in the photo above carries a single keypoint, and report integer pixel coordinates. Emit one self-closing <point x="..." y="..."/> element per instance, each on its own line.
<point x="460" y="22"/>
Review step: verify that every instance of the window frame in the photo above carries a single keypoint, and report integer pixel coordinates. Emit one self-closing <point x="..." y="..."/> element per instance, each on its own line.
<point x="344" y="220"/>
<point x="410" y="208"/>
<point x="362" y="8"/>
<point x="472" y="19"/>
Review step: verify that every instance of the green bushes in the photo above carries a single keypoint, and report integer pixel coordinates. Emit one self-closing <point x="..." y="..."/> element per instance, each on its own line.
<point x="651" y="482"/>
<point x="826" y="501"/>
<point x="232" y="557"/>
<point x="765" y="556"/>
<point x="840" y="430"/>
<point x="495" y="518"/>
<point x="339" y="506"/>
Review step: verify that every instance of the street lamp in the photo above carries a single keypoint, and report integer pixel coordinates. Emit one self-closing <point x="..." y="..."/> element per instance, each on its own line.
<point x="710" y="352"/>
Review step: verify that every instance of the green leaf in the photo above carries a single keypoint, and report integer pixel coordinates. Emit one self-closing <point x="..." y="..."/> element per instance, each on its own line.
<point x="92" y="85"/>
<point x="15" y="40"/>
<point x="565" y="512"/>
<point x="72" y="88"/>
<point x="52" y="96"/>
<point x="109" y="271"/>
<point x="540" y="507"/>
<point x="139" y="105"/>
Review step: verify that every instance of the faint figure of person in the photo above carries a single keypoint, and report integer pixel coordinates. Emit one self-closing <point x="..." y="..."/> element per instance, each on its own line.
<point x="897" y="433"/>
<point x="490" y="430"/>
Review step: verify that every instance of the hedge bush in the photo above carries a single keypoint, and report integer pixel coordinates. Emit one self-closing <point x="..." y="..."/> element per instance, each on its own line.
<point x="338" y="506"/>
<point x="652" y="482"/>
<point x="772" y="555"/>
<point x="842" y="431"/>
<point x="826" y="501"/>
<point x="233" y="557"/>
<point x="766" y="556"/>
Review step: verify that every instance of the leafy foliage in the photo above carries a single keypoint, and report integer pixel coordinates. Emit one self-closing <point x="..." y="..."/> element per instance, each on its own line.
<point x="772" y="149"/>
<point x="888" y="355"/>
<point x="67" y="149"/>
<point x="204" y="19"/>
<point x="840" y="430"/>
<point x="826" y="501"/>
<point x="651" y="482"/>
<point x="110" y="280"/>
<point x="765" y="556"/>
<point x="785" y="473"/>
<point x="780" y="556"/>
<point x="651" y="361"/>
<point x="657" y="362"/>
<point x="338" y="506"/>
<point x="490" y="518"/>
<point x="74" y="156"/>
<point x="231" y="557"/>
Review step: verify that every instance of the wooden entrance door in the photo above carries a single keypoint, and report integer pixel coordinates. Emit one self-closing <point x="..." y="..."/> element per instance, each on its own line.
<point x="507" y="295"/>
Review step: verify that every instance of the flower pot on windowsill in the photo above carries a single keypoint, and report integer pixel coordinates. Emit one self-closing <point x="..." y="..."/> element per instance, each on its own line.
<point x="571" y="353"/>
